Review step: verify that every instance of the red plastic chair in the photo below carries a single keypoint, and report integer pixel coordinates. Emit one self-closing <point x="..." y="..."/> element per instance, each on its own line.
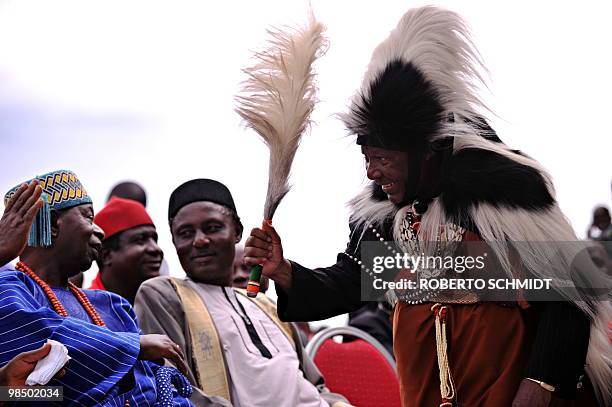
<point x="361" y="370"/>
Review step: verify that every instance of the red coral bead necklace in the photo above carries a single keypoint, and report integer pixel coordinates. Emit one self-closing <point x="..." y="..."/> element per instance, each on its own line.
<point x="55" y="302"/>
<point x="57" y="305"/>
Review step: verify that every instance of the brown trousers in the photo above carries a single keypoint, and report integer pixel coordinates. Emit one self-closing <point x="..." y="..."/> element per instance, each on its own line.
<point x="488" y="346"/>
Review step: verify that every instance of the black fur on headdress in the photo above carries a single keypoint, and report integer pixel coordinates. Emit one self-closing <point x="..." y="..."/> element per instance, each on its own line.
<point x="425" y="75"/>
<point x="401" y="110"/>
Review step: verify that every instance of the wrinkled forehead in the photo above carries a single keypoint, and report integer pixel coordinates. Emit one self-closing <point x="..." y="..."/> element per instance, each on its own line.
<point x="75" y="215"/>
<point x="79" y="211"/>
<point x="201" y="211"/>
<point x="377" y="151"/>
<point x="145" y="230"/>
<point x="369" y="150"/>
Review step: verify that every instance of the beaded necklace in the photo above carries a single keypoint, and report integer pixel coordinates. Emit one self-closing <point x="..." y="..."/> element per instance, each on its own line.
<point x="57" y="305"/>
<point x="59" y="308"/>
<point x="55" y="302"/>
<point x="445" y="237"/>
<point x="410" y="244"/>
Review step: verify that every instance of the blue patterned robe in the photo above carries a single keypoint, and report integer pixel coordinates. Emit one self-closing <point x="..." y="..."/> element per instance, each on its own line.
<point x="104" y="369"/>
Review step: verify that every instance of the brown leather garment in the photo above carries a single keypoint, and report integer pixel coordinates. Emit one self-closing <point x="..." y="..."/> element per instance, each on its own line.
<point x="488" y="347"/>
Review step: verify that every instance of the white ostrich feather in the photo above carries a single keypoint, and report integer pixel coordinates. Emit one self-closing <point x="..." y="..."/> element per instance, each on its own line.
<point x="438" y="43"/>
<point x="277" y="98"/>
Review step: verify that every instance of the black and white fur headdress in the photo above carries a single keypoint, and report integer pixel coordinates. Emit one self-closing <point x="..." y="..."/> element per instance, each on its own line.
<point x="420" y="88"/>
<point x="426" y="70"/>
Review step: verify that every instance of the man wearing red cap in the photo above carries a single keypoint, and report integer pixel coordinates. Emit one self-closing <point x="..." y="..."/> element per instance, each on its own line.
<point x="130" y="254"/>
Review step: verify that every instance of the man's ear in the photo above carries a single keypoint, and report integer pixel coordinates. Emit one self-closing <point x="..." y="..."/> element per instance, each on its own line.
<point x="238" y="228"/>
<point x="171" y="231"/>
<point x="56" y="221"/>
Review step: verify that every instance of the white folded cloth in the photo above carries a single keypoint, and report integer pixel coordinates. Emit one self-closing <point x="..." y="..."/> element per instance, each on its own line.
<point x="48" y="366"/>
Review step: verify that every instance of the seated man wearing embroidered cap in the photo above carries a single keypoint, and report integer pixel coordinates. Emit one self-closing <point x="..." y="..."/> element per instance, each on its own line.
<point x="236" y="347"/>
<point x="130" y="254"/>
<point x="111" y="362"/>
<point x="14" y="230"/>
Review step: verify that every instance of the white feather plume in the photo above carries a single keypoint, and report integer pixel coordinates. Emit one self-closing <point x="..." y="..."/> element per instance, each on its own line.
<point x="277" y="98"/>
<point x="439" y="43"/>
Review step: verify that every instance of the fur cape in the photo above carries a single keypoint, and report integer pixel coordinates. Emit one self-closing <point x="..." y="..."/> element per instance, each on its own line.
<point x="422" y="85"/>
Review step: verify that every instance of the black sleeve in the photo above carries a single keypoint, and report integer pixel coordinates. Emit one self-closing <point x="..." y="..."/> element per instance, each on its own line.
<point x="560" y="347"/>
<point x="321" y="293"/>
<point x="326" y="292"/>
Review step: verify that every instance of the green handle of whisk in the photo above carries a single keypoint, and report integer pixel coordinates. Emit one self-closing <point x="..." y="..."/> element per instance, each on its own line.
<point x="254" y="277"/>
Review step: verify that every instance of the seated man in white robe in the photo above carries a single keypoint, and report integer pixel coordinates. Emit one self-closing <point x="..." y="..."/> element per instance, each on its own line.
<point x="235" y="347"/>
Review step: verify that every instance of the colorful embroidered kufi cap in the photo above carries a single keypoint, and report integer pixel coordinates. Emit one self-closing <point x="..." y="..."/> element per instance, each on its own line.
<point x="61" y="190"/>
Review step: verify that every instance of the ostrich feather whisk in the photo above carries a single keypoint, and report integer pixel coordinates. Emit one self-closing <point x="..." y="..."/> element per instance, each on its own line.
<point x="277" y="98"/>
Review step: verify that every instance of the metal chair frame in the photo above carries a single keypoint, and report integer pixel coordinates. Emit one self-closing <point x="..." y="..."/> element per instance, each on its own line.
<point x="315" y="343"/>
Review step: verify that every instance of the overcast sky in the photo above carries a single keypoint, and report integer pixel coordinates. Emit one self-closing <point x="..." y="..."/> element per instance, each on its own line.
<point x="143" y="90"/>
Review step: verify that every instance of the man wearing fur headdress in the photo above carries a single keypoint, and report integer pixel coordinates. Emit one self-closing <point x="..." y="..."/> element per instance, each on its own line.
<point x="437" y="165"/>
